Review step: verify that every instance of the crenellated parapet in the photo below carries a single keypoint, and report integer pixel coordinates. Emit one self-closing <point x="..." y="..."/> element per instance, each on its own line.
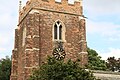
<point x="53" y="6"/>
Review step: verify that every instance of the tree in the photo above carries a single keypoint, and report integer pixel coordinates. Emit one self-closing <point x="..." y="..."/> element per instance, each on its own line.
<point x="94" y="61"/>
<point x="59" y="70"/>
<point x="5" y="68"/>
<point x="118" y="64"/>
<point x="113" y="63"/>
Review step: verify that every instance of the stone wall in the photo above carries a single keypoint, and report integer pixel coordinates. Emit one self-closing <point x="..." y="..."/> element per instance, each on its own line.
<point x="105" y="75"/>
<point x="52" y="5"/>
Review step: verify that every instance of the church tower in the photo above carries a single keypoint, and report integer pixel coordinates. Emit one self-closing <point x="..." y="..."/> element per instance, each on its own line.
<point x="48" y="27"/>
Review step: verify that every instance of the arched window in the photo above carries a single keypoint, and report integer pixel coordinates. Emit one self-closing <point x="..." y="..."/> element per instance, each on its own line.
<point x="55" y="31"/>
<point x="58" y="31"/>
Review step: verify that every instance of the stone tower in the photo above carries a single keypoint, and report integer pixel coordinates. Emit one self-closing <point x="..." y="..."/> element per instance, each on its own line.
<point x="44" y="26"/>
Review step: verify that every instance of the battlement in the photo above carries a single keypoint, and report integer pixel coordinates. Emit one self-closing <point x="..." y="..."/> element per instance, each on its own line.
<point x="62" y="6"/>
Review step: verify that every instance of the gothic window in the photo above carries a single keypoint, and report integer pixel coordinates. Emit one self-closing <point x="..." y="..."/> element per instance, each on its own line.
<point x="58" y="34"/>
<point x="55" y="31"/>
<point x="24" y="36"/>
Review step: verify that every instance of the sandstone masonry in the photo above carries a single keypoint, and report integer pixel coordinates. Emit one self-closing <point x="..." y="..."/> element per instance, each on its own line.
<point x="34" y="37"/>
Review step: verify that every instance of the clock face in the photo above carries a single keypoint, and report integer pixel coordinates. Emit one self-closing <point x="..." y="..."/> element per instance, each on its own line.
<point x="59" y="53"/>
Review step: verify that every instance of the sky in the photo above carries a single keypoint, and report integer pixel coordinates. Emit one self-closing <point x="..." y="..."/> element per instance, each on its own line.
<point x="102" y="26"/>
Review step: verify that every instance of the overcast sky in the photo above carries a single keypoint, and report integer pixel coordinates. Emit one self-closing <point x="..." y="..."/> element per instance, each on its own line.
<point x="103" y="26"/>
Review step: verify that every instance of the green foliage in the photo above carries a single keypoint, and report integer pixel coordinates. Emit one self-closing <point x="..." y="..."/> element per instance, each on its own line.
<point x="59" y="70"/>
<point x="118" y="64"/>
<point x="94" y="61"/>
<point x="5" y="68"/>
<point x="113" y="64"/>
